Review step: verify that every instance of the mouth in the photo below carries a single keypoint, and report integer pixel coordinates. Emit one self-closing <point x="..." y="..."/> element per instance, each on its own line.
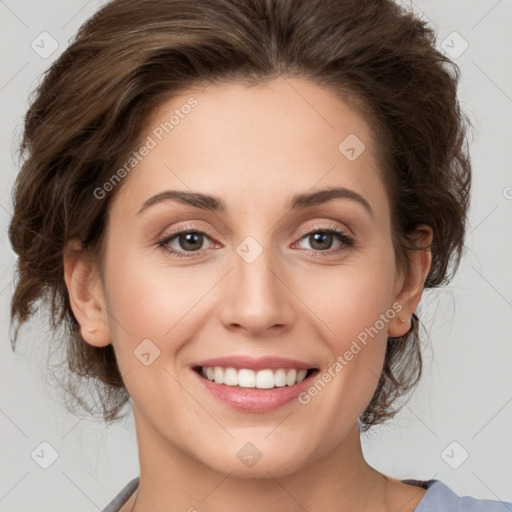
<point x="254" y="384"/>
<point x="247" y="378"/>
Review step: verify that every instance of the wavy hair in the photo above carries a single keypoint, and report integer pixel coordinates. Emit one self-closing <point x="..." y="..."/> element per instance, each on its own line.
<point x="87" y="116"/>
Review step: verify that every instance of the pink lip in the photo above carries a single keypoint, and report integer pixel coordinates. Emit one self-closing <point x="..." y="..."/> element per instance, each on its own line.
<point x="254" y="400"/>
<point x="251" y="363"/>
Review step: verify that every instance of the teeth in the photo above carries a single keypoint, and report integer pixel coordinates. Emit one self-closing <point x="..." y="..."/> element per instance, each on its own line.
<point x="265" y="379"/>
<point x="291" y="377"/>
<point x="280" y="378"/>
<point x="230" y="377"/>
<point x="245" y="378"/>
<point x="218" y="375"/>
<point x="262" y="379"/>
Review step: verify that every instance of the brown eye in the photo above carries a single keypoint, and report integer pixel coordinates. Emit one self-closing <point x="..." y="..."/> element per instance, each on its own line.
<point x="321" y="240"/>
<point x="190" y="241"/>
<point x="184" y="241"/>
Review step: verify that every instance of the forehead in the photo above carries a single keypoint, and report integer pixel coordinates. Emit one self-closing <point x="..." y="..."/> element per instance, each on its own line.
<point x="258" y="142"/>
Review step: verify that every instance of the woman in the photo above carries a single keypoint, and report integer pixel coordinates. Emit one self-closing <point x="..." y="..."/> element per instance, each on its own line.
<point x="257" y="130"/>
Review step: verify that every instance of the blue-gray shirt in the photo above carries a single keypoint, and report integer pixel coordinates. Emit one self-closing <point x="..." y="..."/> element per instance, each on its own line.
<point x="438" y="498"/>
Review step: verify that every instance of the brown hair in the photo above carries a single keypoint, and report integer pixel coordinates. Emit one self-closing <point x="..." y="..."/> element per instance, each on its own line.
<point x="89" y="112"/>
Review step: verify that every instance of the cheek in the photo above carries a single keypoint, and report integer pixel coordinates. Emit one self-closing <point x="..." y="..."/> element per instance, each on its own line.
<point x="152" y="300"/>
<point x="351" y="297"/>
<point x="354" y="302"/>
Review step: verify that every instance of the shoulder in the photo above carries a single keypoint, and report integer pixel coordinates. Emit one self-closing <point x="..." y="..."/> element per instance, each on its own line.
<point x="120" y="499"/>
<point x="440" y="498"/>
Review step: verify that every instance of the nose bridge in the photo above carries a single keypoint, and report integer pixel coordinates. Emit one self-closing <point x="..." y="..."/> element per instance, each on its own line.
<point x="254" y="271"/>
<point x="257" y="298"/>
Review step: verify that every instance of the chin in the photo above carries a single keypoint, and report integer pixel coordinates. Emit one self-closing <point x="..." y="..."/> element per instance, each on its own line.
<point x="259" y="458"/>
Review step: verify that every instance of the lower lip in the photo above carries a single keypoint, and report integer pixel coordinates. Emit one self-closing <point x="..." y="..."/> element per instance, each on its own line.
<point x="255" y="400"/>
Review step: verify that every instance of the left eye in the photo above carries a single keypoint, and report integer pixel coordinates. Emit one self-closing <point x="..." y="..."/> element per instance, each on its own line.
<point x="191" y="241"/>
<point x="322" y="239"/>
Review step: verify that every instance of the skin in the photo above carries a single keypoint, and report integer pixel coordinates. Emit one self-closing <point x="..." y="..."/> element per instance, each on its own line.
<point x="253" y="147"/>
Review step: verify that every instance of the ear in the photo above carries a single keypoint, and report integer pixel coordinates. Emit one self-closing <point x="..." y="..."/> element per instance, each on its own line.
<point x="85" y="289"/>
<point x="410" y="287"/>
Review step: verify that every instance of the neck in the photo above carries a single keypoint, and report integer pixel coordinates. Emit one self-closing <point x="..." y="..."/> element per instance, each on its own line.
<point x="340" y="480"/>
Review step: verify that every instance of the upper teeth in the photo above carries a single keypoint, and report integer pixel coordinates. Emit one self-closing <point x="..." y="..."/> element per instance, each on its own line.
<point x="245" y="378"/>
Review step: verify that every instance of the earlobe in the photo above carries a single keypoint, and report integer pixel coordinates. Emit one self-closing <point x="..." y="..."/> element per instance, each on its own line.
<point x="411" y="290"/>
<point x="85" y="289"/>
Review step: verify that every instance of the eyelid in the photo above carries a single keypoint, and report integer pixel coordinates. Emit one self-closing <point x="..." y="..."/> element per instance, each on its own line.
<point x="318" y="224"/>
<point x="187" y="227"/>
<point x="322" y="226"/>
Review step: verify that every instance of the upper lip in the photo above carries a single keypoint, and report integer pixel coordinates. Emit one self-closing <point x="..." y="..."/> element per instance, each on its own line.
<point x="252" y="363"/>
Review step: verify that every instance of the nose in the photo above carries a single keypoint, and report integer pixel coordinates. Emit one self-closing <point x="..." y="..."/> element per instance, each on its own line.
<point x="257" y="297"/>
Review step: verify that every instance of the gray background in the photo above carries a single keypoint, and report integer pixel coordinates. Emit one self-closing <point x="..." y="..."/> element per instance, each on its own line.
<point x="464" y="401"/>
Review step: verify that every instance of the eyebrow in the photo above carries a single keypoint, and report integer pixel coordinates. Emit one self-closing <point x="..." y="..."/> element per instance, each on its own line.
<point x="297" y="202"/>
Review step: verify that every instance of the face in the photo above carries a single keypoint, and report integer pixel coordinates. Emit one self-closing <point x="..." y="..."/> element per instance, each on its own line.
<point x="265" y="275"/>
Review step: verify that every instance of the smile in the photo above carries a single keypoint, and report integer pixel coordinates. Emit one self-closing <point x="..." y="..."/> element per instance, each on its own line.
<point x="254" y="384"/>
<point x="261" y="379"/>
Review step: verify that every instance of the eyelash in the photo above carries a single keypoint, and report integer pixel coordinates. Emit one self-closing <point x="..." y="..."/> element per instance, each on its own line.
<point x="346" y="240"/>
